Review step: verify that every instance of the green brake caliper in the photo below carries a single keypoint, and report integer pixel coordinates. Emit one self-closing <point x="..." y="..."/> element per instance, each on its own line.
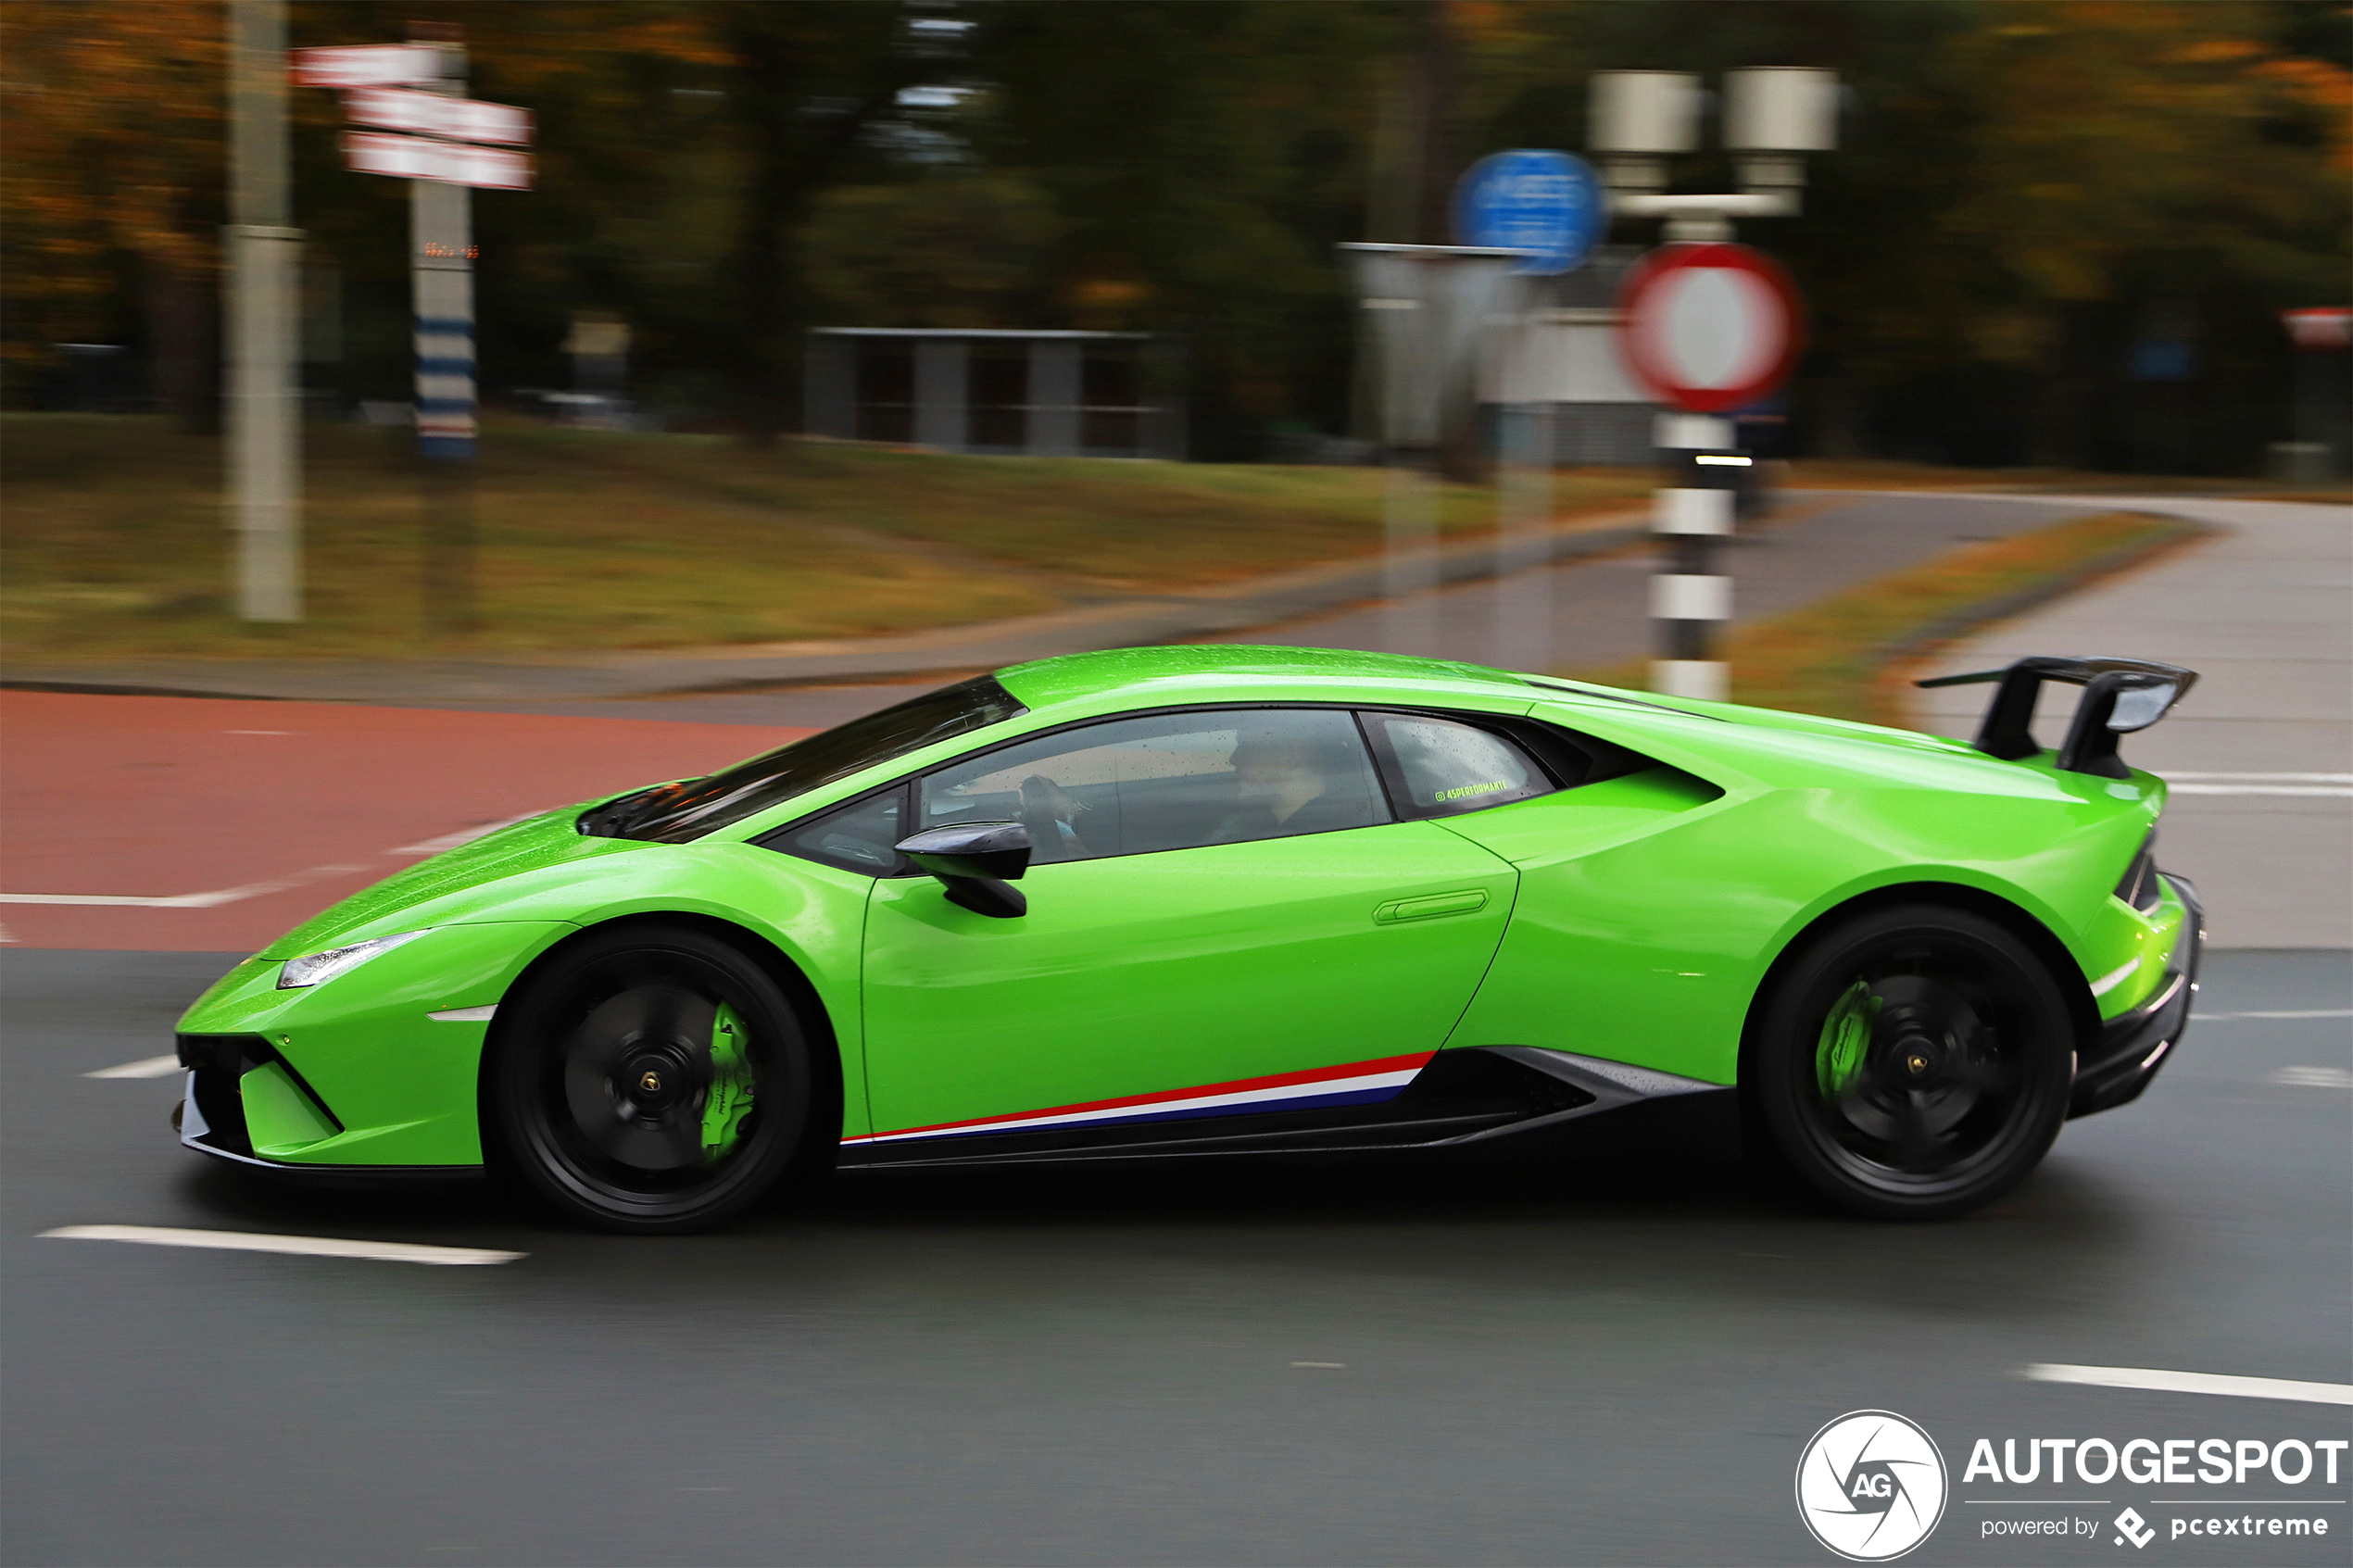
<point x="729" y="1102"/>
<point x="1845" y="1038"/>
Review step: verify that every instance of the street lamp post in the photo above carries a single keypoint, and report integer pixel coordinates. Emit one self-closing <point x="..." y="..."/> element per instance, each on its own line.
<point x="265" y="261"/>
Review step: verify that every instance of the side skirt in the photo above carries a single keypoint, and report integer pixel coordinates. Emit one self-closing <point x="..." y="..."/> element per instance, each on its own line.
<point x="1471" y="1095"/>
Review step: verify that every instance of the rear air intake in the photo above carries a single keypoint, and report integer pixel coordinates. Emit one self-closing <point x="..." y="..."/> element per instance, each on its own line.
<point x="2141" y="887"/>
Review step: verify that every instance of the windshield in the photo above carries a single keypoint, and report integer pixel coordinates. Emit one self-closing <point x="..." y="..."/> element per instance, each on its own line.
<point x="675" y="813"/>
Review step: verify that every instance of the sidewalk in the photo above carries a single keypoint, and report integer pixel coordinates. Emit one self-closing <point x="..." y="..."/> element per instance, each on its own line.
<point x="2260" y="754"/>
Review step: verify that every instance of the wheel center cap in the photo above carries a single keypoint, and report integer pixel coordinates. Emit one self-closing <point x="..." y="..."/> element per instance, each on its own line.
<point x="1918" y="1058"/>
<point x="653" y="1082"/>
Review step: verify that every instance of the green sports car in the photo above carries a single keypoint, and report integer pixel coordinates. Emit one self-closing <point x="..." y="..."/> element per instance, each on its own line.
<point x="1199" y="900"/>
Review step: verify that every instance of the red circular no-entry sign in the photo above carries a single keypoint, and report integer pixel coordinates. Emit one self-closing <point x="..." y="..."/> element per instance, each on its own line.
<point x="1709" y="327"/>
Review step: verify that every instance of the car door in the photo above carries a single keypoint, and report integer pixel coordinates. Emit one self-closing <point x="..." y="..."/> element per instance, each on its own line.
<point x="1225" y="915"/>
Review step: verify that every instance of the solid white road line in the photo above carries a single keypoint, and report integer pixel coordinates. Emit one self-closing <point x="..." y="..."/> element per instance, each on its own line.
<point x="301" y="1246"/>
<point x="213" y="900"/>
<point x="145" y="1067"/>
<point x="2194" y="1383"/>
<point x="464" y="836"/>
<point x="221" y="896"/>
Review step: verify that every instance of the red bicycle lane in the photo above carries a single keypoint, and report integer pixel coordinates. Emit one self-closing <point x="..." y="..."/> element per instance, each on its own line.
<point x="233" y="821"/>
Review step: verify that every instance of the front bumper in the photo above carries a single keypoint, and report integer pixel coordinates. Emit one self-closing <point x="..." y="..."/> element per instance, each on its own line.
<point x="230" y="1077"/>
<point x="2134" y="1044"/>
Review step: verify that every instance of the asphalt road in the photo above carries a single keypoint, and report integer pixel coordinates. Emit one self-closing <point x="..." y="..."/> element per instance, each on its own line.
<point x="1610" y="1351"/>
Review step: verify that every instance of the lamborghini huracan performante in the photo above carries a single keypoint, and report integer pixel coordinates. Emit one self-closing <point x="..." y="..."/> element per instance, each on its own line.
<point x="1204" y="900"/>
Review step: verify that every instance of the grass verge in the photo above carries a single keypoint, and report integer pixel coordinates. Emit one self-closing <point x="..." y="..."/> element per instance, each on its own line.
<point x="114" y="546"/>
<point x="1847" y="656"/>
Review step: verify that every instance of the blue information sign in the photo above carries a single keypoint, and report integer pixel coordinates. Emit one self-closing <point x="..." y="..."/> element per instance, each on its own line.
<point x="1535" y="200"/>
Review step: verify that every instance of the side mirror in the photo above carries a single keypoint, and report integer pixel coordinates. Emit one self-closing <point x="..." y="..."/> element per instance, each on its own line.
<point x="974" y="862"/>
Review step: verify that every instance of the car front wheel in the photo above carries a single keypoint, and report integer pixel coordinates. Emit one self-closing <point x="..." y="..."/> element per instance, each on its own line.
<point x="652" y="1079"/>
<point x="1914" y="1062"/>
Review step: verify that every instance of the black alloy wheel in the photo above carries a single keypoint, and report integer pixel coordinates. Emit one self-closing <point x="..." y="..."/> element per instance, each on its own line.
<point x="1914" y="1062"/>
<point x="653" y="1079"/>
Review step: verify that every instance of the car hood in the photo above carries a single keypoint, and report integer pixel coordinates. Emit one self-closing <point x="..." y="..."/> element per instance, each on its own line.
<point x="537" y="844"/>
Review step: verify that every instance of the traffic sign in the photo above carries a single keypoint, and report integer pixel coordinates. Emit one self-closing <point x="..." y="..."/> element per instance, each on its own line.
<point x="450" y="163"/>
<point x="1546" y="203"/>
<point x="371" y="64"/>
<point x="1709" y="327"/>
<point x="461" y="120"/>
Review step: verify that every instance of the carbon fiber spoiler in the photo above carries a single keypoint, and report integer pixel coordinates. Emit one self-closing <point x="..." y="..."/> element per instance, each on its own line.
<point x="2120" y="695"/>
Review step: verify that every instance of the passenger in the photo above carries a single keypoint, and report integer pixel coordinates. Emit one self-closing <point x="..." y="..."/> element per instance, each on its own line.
<point x="1287" y="785"/>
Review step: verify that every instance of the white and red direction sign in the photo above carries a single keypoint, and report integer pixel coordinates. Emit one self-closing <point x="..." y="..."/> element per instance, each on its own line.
<point x="431" y="114"/>
<point x="2320" y="327"/>
<point x="452" y="163"/>
<point x="371" y="64"/>
<point x="1709" y="327"/>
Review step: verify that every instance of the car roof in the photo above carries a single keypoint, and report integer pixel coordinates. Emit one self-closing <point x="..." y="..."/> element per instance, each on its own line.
<point x="1178" y="674"/>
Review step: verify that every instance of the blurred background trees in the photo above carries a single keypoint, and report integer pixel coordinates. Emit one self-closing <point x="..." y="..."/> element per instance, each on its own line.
<point x="2057" y="230"/>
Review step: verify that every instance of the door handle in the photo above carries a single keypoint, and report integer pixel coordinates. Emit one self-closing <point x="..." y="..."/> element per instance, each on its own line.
<point x="1431" y="906"/>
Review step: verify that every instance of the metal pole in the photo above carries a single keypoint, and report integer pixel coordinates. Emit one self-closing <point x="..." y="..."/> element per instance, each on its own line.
<point x="441" y="287"/>
<point x="1694" y="510"/>
<point x="265" y="261"/>
<point x="1524" y="516"/>
<point x="1409" y="570"/>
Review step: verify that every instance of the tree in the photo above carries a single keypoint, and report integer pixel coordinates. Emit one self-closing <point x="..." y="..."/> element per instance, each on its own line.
<point x="114" y="187"/>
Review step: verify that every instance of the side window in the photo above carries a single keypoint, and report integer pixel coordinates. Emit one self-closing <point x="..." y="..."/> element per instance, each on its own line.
<point x="861" y="836"/>
<point x="1440" y="768"/>
<point x="1168" y="780"/>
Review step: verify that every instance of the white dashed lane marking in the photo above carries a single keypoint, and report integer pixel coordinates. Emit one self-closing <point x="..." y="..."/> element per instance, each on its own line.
<point x="2194" y="1383"/>
<point x="299" y="1246"/>
<point x="145" y="1067"/>
<point x="2326" y="784"/>
<point x="2321" y="1012"/>
<point x="2312" y="1078"/>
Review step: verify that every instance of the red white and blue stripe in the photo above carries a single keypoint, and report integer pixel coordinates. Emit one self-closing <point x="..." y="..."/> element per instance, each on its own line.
<point x="1355" y="1083"/>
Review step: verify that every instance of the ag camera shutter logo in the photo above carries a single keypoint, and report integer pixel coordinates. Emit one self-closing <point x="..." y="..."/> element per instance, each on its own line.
<point x="1872" y="1485"/>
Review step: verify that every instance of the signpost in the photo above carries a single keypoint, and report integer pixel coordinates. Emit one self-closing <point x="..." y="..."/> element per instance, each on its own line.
<point x="1549" y="206"/>
<point x="2319" y="332"/>
<point x="433" y="136"/>
<point x="1429" y="313"/>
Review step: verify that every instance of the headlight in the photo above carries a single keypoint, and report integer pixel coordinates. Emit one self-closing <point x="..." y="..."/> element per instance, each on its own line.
<point x="312" y="967"/>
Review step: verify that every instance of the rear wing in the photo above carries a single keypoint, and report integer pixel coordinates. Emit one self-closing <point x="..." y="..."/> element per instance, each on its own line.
<point x="2120" y="695"/>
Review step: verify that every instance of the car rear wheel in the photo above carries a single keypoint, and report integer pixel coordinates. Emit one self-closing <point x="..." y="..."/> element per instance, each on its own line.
<point x="652" y="1079"/>
<point x="1914" y="1062"/>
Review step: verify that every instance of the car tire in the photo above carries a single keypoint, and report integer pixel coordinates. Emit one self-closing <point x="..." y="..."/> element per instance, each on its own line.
<point x="653" y="1079"/>
<point x="1913" y="1062"/>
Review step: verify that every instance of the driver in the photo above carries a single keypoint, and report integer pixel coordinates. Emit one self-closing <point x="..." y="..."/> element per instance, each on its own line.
<point x="1287" y="785"/>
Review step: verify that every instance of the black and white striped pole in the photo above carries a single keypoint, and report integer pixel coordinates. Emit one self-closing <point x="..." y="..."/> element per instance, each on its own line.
<point x="1691" y="596"/>
<point x="1706" y="325"/>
